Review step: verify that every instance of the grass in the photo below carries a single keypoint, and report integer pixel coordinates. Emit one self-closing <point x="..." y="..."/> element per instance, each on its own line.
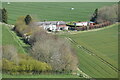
<point x="102" y="43"/>
<point x="53" y="10"/>
<point x="10" y="38"/>
<point x="40" y="76"/>
<point x="0" y="34"/>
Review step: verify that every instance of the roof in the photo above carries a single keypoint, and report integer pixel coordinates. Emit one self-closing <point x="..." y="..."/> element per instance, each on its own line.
<point x="50" y="22"/>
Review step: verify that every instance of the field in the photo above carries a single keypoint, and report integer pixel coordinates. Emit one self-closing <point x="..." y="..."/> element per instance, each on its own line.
<point x="10" y="38"/>
<point x="53" y="11"/>
<point x="102" y="43"/>
<point x="40" y="76"/>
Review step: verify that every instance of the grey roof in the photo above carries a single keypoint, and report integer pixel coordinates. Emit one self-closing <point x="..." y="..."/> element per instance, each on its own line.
<point x="50" y="22"/>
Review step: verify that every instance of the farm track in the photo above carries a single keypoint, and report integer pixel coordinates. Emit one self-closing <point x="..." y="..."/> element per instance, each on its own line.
<point x="93" y="54"/>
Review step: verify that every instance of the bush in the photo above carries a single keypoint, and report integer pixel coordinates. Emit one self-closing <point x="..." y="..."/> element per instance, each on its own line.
<point x="9" y="67"/>
<point x="26" y="65"/>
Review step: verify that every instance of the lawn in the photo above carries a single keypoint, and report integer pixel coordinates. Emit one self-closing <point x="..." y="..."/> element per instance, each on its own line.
<point x="103" y="43"/>
<point x="53" y="10"/>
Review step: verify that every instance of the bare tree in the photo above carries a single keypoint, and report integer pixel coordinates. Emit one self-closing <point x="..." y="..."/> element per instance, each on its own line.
<point x="10" y="53"/>
<point x="106" y="13"/>
<point x="55" y="51"/>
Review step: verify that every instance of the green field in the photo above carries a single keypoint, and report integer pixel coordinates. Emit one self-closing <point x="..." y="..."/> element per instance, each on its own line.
<point x="41" y="76"/>
<point x="10" y="38"/>
<point x="53" y="10"/>
<point x="103" y="43"/>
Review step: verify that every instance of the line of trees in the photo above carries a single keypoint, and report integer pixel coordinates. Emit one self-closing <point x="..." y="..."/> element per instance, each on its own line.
<point x="107" y="13"/>
<point x="14" y="63"/>
<point x="53" y="50"/>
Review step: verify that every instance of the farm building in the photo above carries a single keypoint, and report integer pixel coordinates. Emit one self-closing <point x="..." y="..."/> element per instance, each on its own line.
<point x="83" y="23"/>
<point x="80" y="25"/>
<point x="52" y="25"/>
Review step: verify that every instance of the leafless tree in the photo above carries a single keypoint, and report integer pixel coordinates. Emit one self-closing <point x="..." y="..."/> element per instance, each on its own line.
<point x="10" y="53"/>
<point x="106" y="13"/>
<point x="55" y="51"/>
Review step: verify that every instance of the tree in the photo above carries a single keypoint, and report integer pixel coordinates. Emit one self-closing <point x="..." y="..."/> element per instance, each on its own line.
<point x="10" y="53"/>
<point x="53" y="50"/>
<point x="4" y="15"/>
<point x="25" y="26"/>
<point x="0" y="15"/>
<point x="94" y="17"/>
<point x="106" y="13"/>
<point x="28" y="19"/>
<point x="118" y="11"/>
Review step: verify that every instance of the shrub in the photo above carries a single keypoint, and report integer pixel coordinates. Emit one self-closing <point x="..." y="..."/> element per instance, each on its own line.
<point x="26" y="65"/>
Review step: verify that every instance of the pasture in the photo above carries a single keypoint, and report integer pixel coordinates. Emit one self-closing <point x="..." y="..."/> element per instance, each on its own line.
<point x="103" y="43"/>
<point x="50" y="11"/>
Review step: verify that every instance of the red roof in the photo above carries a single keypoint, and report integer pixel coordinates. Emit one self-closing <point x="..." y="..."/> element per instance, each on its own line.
<point x="60" y="25"/>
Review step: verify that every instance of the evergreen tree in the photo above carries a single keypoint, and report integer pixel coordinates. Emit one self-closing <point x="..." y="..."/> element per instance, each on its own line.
<point x="118" y="11"/>
<point x="28" y="19"/>
<point x="0" y="15"/>
<point x="4" y="15"/>
<point x="94" y="17"/>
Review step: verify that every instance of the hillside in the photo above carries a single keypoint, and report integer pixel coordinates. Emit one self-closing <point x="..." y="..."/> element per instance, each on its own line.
<point x="54" y="10"/>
